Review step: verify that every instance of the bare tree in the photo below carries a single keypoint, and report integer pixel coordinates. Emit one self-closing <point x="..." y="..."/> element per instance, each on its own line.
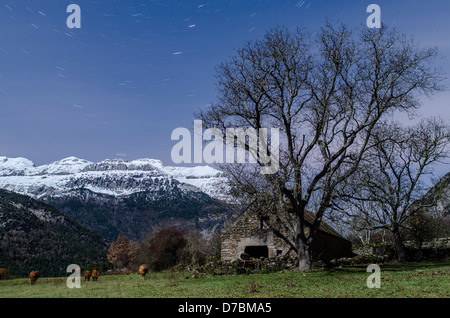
<point x="385" y="190"/>
<point x="325" y="94"/>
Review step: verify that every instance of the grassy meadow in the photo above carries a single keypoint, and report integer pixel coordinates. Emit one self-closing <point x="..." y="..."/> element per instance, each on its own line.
<point x="418" y="280"/>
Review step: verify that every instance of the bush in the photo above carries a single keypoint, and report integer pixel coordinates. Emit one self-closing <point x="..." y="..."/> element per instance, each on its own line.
<point x="122" y="252"/>
<point x="164" y="246"/>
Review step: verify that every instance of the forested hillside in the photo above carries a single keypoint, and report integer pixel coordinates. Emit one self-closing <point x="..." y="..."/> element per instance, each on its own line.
<point x="36" y="236"/>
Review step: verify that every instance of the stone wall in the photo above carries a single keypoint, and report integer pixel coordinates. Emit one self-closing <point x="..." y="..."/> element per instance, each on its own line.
<point x="435" y="249"/>
<point x="247" y="231"/>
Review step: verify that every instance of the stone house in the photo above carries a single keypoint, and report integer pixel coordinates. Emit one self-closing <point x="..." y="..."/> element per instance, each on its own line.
<point x="251" y="232"/>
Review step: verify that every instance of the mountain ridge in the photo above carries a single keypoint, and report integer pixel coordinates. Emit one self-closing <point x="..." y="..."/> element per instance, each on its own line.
<point x="115" y="196"/>
<point x="436" y="201"/>
<point x="22" y="176"/>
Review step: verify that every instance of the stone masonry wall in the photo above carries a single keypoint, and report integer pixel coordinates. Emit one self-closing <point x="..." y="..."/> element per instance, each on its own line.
<point x="247" y="232"/>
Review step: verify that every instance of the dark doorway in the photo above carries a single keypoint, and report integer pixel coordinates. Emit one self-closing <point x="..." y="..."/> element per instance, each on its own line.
<point x="257" y="251"/>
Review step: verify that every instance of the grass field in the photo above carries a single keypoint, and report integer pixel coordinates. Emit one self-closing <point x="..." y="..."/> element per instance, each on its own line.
<point x="419" y="280"/>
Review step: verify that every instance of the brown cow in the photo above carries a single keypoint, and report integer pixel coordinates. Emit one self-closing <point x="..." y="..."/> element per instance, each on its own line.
<point x="95" y="274"/>
<point x="143" y="270"/>
<point x="33" y="277"/>
<point x="3" y="273"/>
<point x="87" y="276"/>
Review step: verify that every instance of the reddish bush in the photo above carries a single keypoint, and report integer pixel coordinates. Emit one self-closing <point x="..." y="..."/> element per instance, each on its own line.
<point x="163" y="247"/>
<point x="122" y="252"/>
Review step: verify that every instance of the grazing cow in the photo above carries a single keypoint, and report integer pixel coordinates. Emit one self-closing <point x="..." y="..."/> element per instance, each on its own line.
<point x="95" y="274"/>
<point x="33" y="277"/>
<point x="87" y="276"/>
<point x="3" y="273"/>
<point x="143" y="270"/>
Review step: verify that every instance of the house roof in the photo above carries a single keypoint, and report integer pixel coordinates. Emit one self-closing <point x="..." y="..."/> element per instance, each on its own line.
<point x="325" y="227"/>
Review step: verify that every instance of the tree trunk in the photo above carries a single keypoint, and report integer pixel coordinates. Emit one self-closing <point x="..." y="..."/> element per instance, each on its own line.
<point x="420" y="250"/>
<point x="398" y="243"/>
<point x="304" y="255"/>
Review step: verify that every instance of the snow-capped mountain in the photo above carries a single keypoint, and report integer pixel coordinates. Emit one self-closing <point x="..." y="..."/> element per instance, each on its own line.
<point x="116" y="196"/>
<point x="113" y="177"/>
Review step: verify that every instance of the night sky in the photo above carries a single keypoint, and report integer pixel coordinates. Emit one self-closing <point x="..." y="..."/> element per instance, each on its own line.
<point x="136" y="70"/>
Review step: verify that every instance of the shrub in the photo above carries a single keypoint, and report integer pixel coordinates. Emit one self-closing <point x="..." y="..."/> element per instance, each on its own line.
<point x="164" y="246"/>
<point x="122" y="252"/>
